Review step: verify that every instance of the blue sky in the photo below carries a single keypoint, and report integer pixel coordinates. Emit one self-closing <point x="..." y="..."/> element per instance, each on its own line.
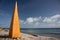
<point x="32" y="13"/>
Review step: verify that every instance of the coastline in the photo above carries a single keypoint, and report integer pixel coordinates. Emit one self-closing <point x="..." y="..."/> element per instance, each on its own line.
<point x="25" y="36"/>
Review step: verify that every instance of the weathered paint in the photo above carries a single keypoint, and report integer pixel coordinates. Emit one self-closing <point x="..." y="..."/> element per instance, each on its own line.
<point x="14" y="31"/>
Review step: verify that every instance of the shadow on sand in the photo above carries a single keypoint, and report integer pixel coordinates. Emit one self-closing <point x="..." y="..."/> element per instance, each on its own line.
<point x="3" y="36"/>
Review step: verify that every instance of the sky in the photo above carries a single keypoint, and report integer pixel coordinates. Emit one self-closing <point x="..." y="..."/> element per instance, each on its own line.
<point x="32" y="13"/>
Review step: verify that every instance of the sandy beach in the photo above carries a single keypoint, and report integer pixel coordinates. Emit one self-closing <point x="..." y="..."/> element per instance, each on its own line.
<point x="4" y="36"/>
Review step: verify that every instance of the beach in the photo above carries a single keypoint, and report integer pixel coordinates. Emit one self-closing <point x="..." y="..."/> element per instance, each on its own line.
<point x="4" y="36"/>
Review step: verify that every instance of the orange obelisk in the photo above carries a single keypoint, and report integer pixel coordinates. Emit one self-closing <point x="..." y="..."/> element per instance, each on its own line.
<point x="14" y="31"/>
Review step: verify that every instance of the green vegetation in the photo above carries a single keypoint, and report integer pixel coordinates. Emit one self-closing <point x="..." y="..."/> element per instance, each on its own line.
<point x="0" y="28"/>
<point x="3" y="29"/>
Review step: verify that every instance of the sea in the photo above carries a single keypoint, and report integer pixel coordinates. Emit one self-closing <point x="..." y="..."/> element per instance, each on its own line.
<point x="51" y="32"/>
<point x="42" y="31"/>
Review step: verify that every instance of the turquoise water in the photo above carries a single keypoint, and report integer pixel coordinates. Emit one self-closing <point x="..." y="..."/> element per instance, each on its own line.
<point x="55" y="31"/>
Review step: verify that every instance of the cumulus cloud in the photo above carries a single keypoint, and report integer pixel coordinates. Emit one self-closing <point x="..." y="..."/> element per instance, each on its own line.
<point x="42" y="22"/>
<point x="32" y="20"/>
<point x="51" y="19"/>
<point x="22" y="21"/>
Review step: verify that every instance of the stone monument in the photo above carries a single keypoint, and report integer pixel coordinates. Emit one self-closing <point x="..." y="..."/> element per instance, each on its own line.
<point x="14" y="31"/>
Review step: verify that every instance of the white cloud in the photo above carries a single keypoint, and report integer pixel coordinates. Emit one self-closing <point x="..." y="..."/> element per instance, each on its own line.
<point x="21" y="21"/>
<point x="41" y="22"/>
<point x="31" y="20"/>
<point x="58" y="22"/>
<point x="51" y="19"/>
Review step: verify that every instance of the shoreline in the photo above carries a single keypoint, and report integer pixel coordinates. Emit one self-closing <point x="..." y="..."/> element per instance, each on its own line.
<point x="26" y="36"/>
<point x="45" y="34"/>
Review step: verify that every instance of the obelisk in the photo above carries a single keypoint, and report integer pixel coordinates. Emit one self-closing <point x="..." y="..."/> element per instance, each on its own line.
<point x="14" y="31"/>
